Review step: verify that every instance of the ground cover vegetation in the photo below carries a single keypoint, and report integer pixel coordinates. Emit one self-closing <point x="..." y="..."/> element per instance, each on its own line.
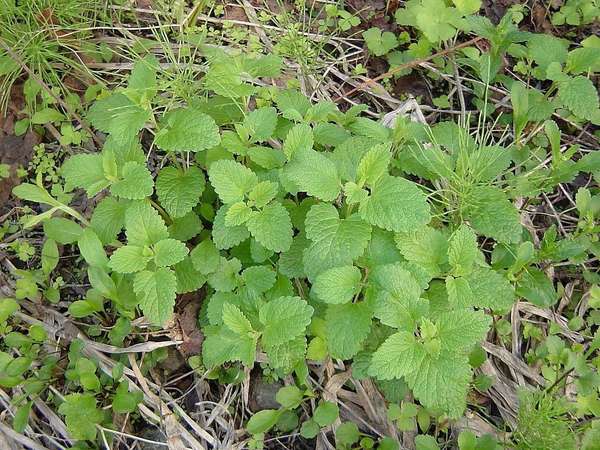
<point x="308" y="224"/>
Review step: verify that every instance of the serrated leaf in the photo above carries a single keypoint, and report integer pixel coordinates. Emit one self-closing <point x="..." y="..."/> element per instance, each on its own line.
<point x="579" y="95"/>
<point x="261" y="123"/>
<point x="156" y="291"/>
<point x="292" y="104"/>
<point x="290" y="261"/>
<point x="425" y="246"/>
<point x="337" y="285"/>
<point x="169" y="252"/>
<point x="187" y="130"/>
<point x="231" y="180"/>
<point x="205" y="257"/>
<point x="313" y="173"/>
<point x="373" y="165"/>
<point x="235" y="320"/>
<point x="258" y="279"/>
<point x="347" y="327"/>
<point x="272" y="227"/>
<point x="188" y="278"/>
<point x="287" y="355"/>
<point x="81" y="416"/>
<point x="129" y="259"/>
<point x="85" y="171"/>
<point x="223" y="345"/>
<point x="395" y="204"/>
<point x="334" y="241"/>
<point x="186" y="227"/>
<point x="108" y="219"/>
<point x="179" y="190"/>
<point x="118" y="115"/>
<point x="136" y="182"/>
<point x="284" y="319"/>
<point x="298" y="140"/>
<point x="490" y="289"/>
<point x="144" y="226"/>
<point x="225" y="278"/>
<point x="492" y="214"/>
<point x="91" y="249"/>
<point x="462" y="250"/>
<point x="63" y="231"/>
<point x="237" y="214"/>
<point x="226" y="237"/>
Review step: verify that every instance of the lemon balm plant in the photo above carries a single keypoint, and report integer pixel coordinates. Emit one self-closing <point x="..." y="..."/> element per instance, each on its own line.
<point x="308" y="232"/>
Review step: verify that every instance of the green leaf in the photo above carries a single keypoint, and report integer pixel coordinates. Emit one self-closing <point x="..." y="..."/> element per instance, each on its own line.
<point x="379" y="43"/>
<point x="179" y="191"/>
<point x="186" y="227"/>
<point x="263" y="421"/>
<point x="169" y="252"/>
<point x="334" y="241"/>
<point x="492" y="214"/>
<point x="467" y="6"/>
<point x="347" y="434"/>
<point x="347" y="327"/>
<point x="231" y="180"/>
<point x="272" y="227"/>
<point x="337" y="285"/>
<point x="425" y="246"/>
<point x="260" y="123"/>
<point x="579" y="95"/>
<point x="462" y="250"/>
<point x="384" y="209"/>
<point x="373" y="165"/>
<point x="63" y="231"/>
<point x="326" y="413"/>
<point x="125" y="401"/>
<point x="224" y="345"/>
<point x="130" y="259"/>
<point x="81" y="416"/>
<point x="34" y="193"/>
<point x="141" y="85"/>
<point x="284" y="318"/>
<point x="289" y="397"/>
<point x="144" y="226"/>
<point x="156" y="293"/>
<point x="108" y="219"/>
<point x="188" y="278"/>
<point x="546" y="49"/>
<point x="136" y="182"/>
<point x="259" y="279"/>
<point x="205" y="257"/>
<point x="235" y="320"/>
<point x="91" y="249"/>
<point x="298" y="140"/>
<point x="314" y="174"/>
<point x="237" y="214"/>
<point x="288" y="355"/>
<point x="224" y="236"/>
<point x="50" y="256"/>
<point x="490" y="290"/>
<point x="118" y="115"/>
<point x="187" y="130"/>
<point x="292" y="104"/>
<point x="46" y="115"/>
<point x="225" y="278"/>
<point x="85" y="171"/>
<point x="266" y="157"/>
<point x="536" y="287"/>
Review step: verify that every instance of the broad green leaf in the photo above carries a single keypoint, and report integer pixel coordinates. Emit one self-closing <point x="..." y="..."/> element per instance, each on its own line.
<point x="231" y="180"/>
<point x="490" y="290"/>
<point x="263" y="421"/>
<point x="205" y="257"/>
<point x="144" y="226"/>
<point x="462" y="250"/>
<point x="467" y="6"/>
<point x="187" y="130"/>
<point x="34" y="193"/>
<point x="263" y="193"/>
<point x="91" y="249"/>
<point x="141" y="85"/>
<point x="225" y="277"/>
<point x="347" y="327"/>
<point x="156" y="292"/>
<point x="287" y="355"/>
<point x="108" y="219"/>
<point x="271" y="227"/>
<point x="222" y="345"/>
<point x="546" y="49"/>
<point x="289" y="397"/>
<point x="85" y="171"/>
<point x="298" y="141"/>
<point x="179" y="191"/>
<point x="266" y="157"/>
<point x="315" y="174"/>
<point x="63" y="231"/>
<point x="290" y="261"/>
<point x="188" y="278"/>
<point x="395" y="204"/>
<point x="425" y="246"/>
<point x="125" y="401"/>
<point x="136" y="182"/>
<point x="46" y="115"/>
<point x="258" y="279"/>
<point x="169" y="252"/>
<point x="337" y="285"/>
<point x="237" y="214"/>
<point x="235" y="320"/>
<point x="226" y="237"/>
<point x="50" y="256"/>
<point x="292" y="104"/>
<point x="130" y="259"/>
<point x="380" y="43"/>
<point x="81" y="416"/>
<point x="284" y="319"/>
<point x="536" y="287"/>
<point x="260" y="123"/>
<point x="580" y="96"/>
<point x="373" y="165"/>
<point x="186" y="227"/>
<point x="334" y="241"/>
<point x="492" y="214"/>
<point x="326" y="413"/>
<point x="118" y="115"/>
